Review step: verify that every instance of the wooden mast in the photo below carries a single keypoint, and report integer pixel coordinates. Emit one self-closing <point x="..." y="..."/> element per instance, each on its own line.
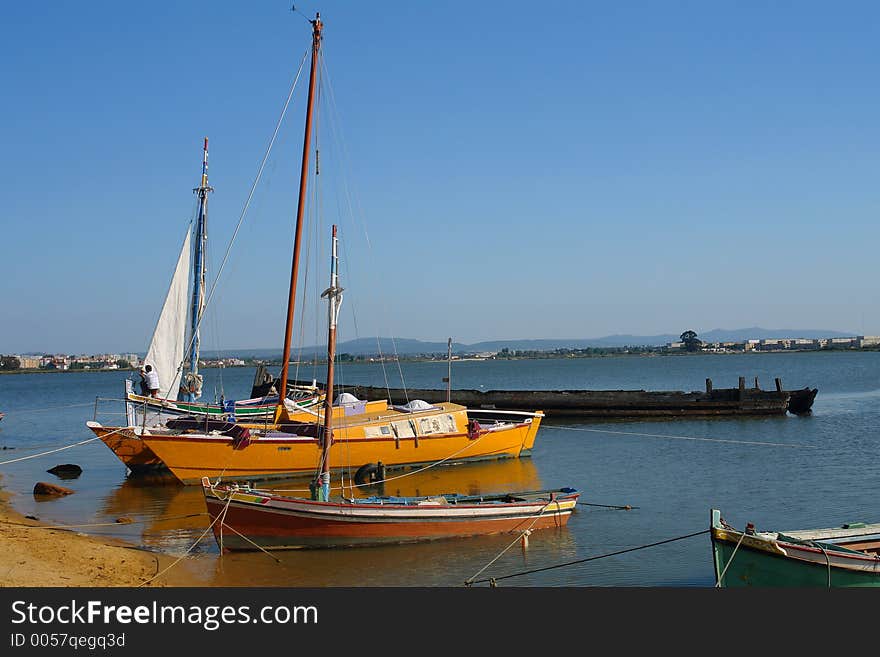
<point x="192" y="383"/>
<point x="317" y="27"/>
<point x="321" y="486"/>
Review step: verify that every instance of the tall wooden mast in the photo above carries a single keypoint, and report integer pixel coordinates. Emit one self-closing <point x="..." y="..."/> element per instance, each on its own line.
<point x="317" y="27"/>
<point x="192" y="383"/>
<point x="333" y="294"/>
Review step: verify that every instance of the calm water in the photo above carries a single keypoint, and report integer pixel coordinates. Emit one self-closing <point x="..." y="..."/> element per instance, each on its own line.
<point x="807" y="472"/>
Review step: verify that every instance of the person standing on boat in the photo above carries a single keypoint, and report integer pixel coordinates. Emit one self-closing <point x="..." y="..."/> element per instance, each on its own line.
<point x="150" y="381"/>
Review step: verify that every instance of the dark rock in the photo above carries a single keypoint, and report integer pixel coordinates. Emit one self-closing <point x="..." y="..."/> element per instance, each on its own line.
<point x="32" y="517"/>
<point x="66" y="471"/>
<point x="42" y="488"/>
<point x="124" y="520"/>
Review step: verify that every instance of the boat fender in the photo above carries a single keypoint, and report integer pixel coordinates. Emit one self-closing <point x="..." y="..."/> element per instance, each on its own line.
<point x="367" y="474"/>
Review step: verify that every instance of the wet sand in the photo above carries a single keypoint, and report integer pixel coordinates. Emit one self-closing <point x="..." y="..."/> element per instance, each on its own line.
<point x="36" y="556"/>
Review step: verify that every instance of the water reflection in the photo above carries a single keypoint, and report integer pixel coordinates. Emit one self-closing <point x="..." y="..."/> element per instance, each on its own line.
<point x="439" y="563"/>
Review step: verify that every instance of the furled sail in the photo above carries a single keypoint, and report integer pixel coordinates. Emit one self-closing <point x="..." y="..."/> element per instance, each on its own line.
<point x="166" y="348"/>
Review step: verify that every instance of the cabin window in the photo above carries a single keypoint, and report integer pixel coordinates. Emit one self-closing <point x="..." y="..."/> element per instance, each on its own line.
<point x="436" y="424"/>
<point x="383" y="431"/>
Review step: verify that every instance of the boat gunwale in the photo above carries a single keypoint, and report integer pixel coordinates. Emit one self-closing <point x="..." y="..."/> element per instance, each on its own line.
<point x="568" y="498"/>
<point x="769" y="543"/>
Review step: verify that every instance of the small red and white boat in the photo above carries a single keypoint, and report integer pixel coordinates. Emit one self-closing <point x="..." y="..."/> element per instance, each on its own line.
<point x="243" y="518"/>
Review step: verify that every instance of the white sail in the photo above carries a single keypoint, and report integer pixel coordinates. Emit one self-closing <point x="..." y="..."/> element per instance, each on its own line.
<point x="166" y="348"/>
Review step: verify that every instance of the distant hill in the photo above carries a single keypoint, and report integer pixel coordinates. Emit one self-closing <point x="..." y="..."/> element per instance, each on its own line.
<point x="410" y="347"/>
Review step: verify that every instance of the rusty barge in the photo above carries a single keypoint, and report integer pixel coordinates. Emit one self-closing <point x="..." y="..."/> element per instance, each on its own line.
<point x="600" y="404"/>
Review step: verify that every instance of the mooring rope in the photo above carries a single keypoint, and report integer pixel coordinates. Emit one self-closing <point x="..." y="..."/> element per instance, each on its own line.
<point x="259" y="547"/>
<point x="729" y="561"/>
<point x="223" y="524"/>
<point x="624" y="507"/>
<point x="579" y="561"/>
<point x="53" y="451"/>
<point x="47" y="408"/>
<point x="696" y="438"/>
<point x="103" y="524"/>
<point x="189" y="549"/>
<point x="522" y="534"/>
<point x="827" y="559"/>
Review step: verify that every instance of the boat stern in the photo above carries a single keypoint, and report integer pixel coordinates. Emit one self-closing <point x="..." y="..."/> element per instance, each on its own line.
<point x="531" y="433"/>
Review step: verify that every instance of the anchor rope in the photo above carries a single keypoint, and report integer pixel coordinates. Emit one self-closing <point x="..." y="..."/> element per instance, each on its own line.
<point x="601" y="556"/>
<point x="46" y="408"/>
<point x="223" y="524"/>
<point x="729" y="561"/>
<point x="189" y="549"/>
<point x="827" y="559"/>
<point x="53" y="451"/>
<point x="695" y="438"/>
<point x="104" y="524"/>
<point x="259" y="547"/>
<point x="522" y="534"/>
<point x="624" y="507"/>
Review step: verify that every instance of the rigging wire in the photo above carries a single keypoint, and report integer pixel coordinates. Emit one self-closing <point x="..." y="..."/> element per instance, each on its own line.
<point x="694" y="438"/>
<point x="355" y="208"/>
<point x="249" y="197"/>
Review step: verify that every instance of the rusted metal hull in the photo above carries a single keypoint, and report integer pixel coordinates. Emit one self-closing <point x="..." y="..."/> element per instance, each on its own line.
<point x="801" y="401"/>
<point x="603" y="403"/>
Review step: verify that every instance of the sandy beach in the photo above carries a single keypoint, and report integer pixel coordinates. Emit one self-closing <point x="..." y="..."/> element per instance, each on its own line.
<point x="35" y="555"/>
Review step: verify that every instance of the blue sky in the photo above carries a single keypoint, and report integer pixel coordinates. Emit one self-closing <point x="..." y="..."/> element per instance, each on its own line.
<point x="517" y="170"/>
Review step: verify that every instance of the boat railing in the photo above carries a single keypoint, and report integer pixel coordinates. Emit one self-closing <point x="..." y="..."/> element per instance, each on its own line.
<point x="109" y="409"/>
<point x="116" y="411"/>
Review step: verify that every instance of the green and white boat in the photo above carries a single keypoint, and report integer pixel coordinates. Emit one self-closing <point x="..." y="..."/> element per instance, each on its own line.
<point x="843" y="556"/>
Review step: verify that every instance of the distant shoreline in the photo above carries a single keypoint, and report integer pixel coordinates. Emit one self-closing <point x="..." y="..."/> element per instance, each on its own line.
<point x="549" y="356"/>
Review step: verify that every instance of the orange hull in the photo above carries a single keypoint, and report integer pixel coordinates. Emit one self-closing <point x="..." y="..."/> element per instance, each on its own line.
<point x="191" y="458"/>
<point x="128" y="447"/>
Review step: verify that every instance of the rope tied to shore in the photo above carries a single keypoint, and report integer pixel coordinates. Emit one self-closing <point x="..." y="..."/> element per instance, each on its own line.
<point x="760" y="443"/>
<point x="190" y="548"/>
<point x="729" y="561"/>
<point x="524" y="533"/>
<point x="494" y="580"/>
<point x="53" y="451"/>
<point x="104" y="524"/>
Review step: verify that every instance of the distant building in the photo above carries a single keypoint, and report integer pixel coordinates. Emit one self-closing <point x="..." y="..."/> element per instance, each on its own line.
<point x="29" y="362"/>
<point x="803" y="343"/>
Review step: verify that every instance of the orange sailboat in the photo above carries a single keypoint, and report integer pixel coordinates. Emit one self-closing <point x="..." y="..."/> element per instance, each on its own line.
<point x="366" y="432"/>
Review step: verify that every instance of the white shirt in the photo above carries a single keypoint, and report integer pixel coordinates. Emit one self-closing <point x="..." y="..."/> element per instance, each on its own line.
<point x="153" y="380"/>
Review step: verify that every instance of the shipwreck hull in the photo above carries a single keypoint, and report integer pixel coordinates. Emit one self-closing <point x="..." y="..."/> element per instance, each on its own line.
<point x="618" y="404"/>
<point x="601" y="403"/>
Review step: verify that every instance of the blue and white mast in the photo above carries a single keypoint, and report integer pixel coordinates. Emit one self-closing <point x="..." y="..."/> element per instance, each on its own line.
<point x="192" y="381"/>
